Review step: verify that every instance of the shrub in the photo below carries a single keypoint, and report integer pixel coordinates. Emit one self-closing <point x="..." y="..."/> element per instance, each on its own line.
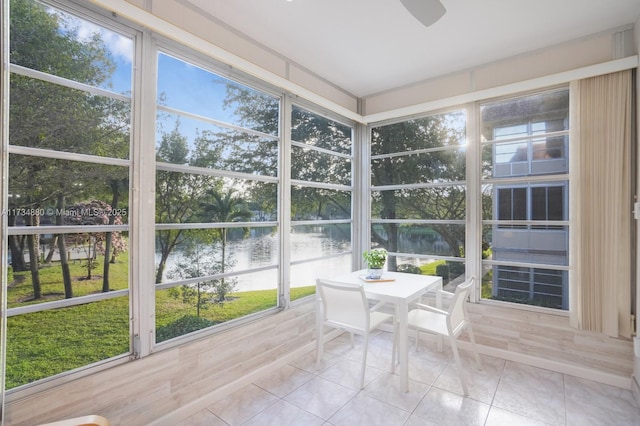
<point x="443" y="271"/>
<point x="409" y="268"/>
<point x="185" y="325"/>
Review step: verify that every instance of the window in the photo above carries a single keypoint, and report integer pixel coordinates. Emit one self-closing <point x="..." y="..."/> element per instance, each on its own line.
<point x="69" y="167"/>
<point x="321" y="194"/>
<point x="525" y="199"/>
<point x="217" y="233"/>
<point x="418" y="194"/>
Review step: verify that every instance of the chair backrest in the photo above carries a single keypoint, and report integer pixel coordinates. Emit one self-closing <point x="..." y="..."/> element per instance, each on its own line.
<point x="457" y="310"/>
<point x="344" y="305"/>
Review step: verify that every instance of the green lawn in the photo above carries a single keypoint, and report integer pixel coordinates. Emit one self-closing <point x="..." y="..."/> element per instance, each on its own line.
<point x="46" y="343"/>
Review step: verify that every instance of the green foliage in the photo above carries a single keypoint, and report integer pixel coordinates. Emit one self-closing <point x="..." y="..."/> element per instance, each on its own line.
<point x="375" y="258"/>
<point x="409" y="269"/>
<point x="443" y="271"/>
<point x="180" y="327"/>
<point x="9" y="274"/>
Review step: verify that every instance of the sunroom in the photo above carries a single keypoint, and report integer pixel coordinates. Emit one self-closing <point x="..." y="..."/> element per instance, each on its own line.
<point x="178" y="173"/>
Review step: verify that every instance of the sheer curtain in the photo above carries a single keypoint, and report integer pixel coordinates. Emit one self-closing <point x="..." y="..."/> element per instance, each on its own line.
<point x="601" y="204"/>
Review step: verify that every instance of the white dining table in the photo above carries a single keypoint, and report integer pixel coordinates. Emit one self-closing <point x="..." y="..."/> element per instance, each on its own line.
<point x="401" y="291"/>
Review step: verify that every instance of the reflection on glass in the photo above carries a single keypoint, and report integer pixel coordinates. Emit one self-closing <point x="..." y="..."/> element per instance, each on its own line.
<point x="313" y="241"/>
<point x="319" y="204"/>
<point x="434" y="239"/>
<point x="47" y="267"/>
<point x="189" y="88"/>
<point x="46" y="343"/>
<point x="320" y="132"/>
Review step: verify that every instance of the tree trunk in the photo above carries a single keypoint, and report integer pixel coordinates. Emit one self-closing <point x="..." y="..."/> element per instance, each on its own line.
<point x="17" y="252"/>
<point x="107" y="238"/>
<point x="33" y="258"/>
<point x="52" y="249"/>
<point x="62" y="249"/>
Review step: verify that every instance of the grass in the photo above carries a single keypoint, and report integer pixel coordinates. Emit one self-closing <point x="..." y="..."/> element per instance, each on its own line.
<point x="43" y="344"/>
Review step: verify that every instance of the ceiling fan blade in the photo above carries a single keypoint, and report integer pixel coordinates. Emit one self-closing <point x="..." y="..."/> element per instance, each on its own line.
<point x="425" y="11"/>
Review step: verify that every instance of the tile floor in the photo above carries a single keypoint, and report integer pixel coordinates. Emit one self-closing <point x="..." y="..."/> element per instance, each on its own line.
<point x="502" y="393"/>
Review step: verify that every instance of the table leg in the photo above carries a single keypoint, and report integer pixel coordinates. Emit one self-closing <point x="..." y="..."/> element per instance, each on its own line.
<point x="403" y="356"/>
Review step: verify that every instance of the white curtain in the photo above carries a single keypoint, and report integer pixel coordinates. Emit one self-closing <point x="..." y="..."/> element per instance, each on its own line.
<point x="601" y="204"/>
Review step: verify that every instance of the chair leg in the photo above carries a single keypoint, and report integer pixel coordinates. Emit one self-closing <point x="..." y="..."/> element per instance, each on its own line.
<point x="474" y="348"/>
<point x="456" y="356"/>
<point x="364" y="359"/>
<point x="319" y="347"/>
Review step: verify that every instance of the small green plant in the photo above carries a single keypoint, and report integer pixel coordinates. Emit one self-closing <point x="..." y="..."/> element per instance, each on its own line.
<point x="375" y="258"/>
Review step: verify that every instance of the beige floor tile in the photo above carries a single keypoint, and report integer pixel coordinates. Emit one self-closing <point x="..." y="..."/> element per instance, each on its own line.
<point x="240" y="406"/>
<point x="282" y="413"/>
<point x="284" y="380"/>
<point x="366" y="411"/>
<point x="320" y="397"/>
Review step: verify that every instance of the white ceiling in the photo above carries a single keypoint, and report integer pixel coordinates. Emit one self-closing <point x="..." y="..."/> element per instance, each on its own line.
<point x="369" y="46"/>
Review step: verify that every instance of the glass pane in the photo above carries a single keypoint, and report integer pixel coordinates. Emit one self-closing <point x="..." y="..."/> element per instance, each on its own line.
<point x="535" y="114"/>
<point x="44" y="191"/>
<point x="314" y="166"/>
<point x="192" y="198"/>
<point x="533" y="286"/>
<point x="525" y="201"/>
<point x="452" y="272"/>
<point x="304" y="275"/>
<point x="187" y="308"/>
<point x="312" y="241"/>
<point x="438" y="166"/>
<point x="48" y="116"/>
<point x="318" y="204"/>
<point x="52" y="41"/>
<point x="320" y="132"/>
<point x="47" y="267"/>
<point x="182" y="140"/>
<point x="532" y="156"/>
<point x="184" y="254"/>
<point x="436" y="131"/>
<point x="435" y="239"/>
<point x="46" y="343"/>
<point x="442" y="203"/>
<point x="528" y="244"/>
<point x="189" y="88"/>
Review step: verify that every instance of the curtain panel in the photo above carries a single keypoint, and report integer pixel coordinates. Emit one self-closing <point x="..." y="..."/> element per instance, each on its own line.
<point x="601" y="204"/>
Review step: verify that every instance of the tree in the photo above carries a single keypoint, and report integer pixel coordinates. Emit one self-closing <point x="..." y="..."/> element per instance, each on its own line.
<point x="225" y="207"/>
<point x="440" y="165"/>
<point x="50" y="116"/>
<point x="177" y="194"/>
<point x="95" y="212"/>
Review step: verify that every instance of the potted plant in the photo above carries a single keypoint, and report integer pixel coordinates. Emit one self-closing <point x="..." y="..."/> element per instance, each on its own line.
<point x="375" y="259"/>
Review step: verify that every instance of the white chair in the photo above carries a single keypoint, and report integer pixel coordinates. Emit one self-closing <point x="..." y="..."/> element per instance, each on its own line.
<point x="346" y="307"/>
<point x="447" y="323"/>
